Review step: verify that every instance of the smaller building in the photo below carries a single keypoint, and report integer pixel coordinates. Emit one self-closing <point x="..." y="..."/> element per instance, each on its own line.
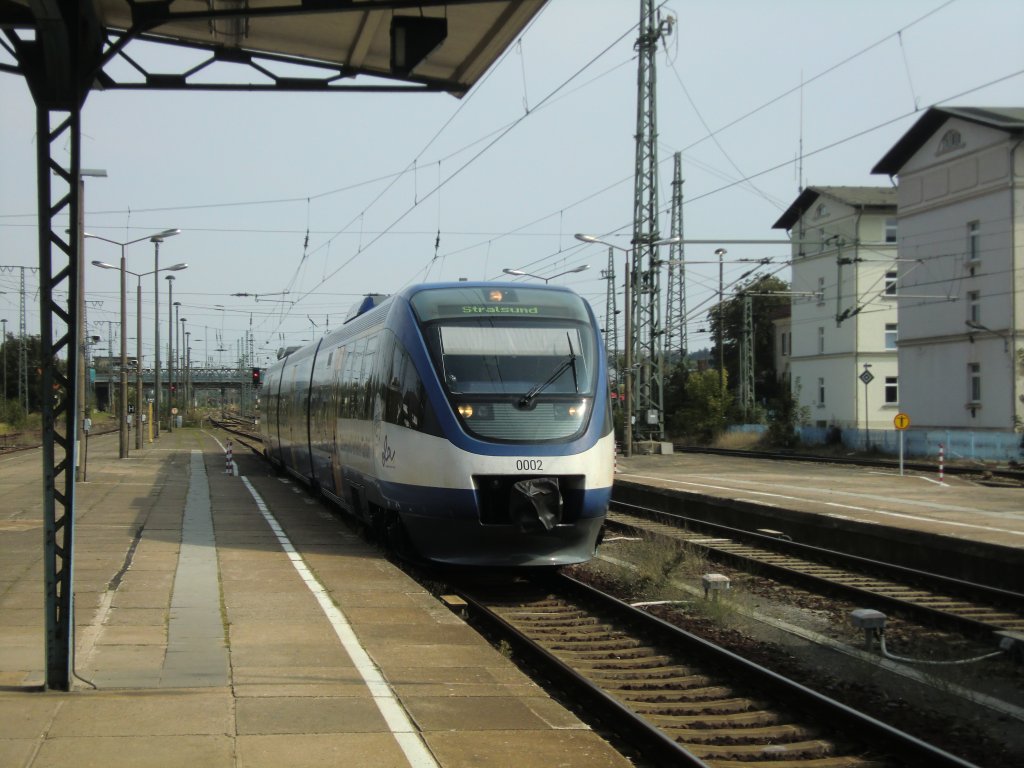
<point x="843" y="324"/>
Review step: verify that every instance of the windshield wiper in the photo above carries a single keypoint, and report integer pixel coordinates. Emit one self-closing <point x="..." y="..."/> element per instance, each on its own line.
<point x="570" y="362"/>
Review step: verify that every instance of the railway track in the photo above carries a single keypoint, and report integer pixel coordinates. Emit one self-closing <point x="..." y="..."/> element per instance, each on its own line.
<point x="676" y="698"/>
<point x="974" y="610"/>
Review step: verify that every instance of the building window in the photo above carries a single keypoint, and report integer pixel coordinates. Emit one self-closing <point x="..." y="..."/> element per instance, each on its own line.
<point x="784" y="342"/>
<point x="821" y="392"/>
<point x="974" y="307"/>
<point x="950" y="141"/>
<point x="821" y="291"/>
<point x="974" y="241"/>
<point x="821" y="340"/>
<point x="892" y="390"/>
<point x="890" y="230"/>
<point x="890" y="282"/>
<point x="974" y="382"/>
<point x="890" y="335"/>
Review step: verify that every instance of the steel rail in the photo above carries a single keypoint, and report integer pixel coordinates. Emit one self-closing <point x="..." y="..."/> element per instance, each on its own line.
<point x="992" y="597"/>
<point x="857" y="726"/>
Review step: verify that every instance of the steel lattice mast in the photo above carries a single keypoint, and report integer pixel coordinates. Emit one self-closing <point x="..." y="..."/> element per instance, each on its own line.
<point x="676" y="343"/>
<point x="644" y="274"/>
<point x="22" y="348"/>
<point x="611" y="325"/>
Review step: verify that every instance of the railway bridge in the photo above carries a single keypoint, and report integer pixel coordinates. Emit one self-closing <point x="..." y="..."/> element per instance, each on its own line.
<point x="218" y="385"/>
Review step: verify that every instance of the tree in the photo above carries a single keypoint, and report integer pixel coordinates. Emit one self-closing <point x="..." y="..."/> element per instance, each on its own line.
<point x="10" y="354"/>
<point x="769" y="295"/>
<point x="695" y="404"/>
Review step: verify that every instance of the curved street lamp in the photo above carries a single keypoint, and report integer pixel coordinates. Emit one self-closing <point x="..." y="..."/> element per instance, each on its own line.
<point x="123" y="408"/>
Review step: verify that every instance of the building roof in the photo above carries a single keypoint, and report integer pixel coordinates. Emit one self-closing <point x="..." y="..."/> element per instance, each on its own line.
<point x="856" y="197"/>
<point x="1009" y="119"/>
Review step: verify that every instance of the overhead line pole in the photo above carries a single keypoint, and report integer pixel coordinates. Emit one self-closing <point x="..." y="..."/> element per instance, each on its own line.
<point x="645" y="272"/>
<point x="676" y="342"/>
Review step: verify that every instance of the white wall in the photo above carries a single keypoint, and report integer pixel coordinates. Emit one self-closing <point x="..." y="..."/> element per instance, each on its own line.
<point x="942" y="190"/>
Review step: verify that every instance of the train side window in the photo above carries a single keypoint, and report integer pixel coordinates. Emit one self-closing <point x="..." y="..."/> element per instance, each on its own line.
<point x="413" y="397"/>
<point x="369" y="358"/>
<point x="345" y="404"/>
<point x="382" y="374"/>
<point x="393" y="380"/>
<point x="358" y="378"/>
<point x="405" y="396"/>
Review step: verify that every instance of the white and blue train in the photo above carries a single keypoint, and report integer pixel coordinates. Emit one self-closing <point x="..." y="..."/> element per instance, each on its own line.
<point x="467" y="423"/>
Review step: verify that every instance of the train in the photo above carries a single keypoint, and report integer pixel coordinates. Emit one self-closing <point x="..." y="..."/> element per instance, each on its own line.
<point x="466" y="424"/>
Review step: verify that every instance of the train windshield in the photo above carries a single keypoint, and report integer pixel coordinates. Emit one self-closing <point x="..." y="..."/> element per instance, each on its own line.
<point x="517" y="364"/>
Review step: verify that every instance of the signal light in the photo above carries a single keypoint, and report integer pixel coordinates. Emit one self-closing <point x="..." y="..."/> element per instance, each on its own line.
<point x="256" y="377"/>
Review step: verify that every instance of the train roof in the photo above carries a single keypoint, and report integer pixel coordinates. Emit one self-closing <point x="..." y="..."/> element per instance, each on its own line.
<point x="357" y="315"/>
<point x="413" y="289"/>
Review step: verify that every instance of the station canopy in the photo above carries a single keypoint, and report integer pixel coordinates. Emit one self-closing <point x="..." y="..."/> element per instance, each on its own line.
<point x="432" y="45"/>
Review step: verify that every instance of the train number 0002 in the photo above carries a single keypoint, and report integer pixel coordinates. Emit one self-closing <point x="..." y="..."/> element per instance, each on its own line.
<point x="529" y="465"/>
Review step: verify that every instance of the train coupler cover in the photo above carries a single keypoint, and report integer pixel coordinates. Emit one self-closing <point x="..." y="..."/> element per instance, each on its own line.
<point x="536" y="504"/>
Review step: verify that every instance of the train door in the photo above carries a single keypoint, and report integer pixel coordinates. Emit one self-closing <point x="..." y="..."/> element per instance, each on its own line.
<point x="337" y="372"/>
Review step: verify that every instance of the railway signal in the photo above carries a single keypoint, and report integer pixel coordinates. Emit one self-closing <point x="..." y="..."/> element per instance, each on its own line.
<point x="256" y="378"/>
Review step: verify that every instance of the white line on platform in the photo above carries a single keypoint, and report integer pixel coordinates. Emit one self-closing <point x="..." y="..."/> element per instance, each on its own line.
<point x="405" y="733"/>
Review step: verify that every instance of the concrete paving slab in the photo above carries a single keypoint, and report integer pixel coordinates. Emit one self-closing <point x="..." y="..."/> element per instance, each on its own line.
<point x="120" y="616"/>
<point x="500" y="749"/>
<point x="445" y="713"/>
<point x="257" y="632"/>
<point x="25" y="716"/>
<point x="99" y="713"/>
<point x="16" y="751"/>
<point x="433" y="655"/>
<point x="292" y="676"/>
<point x="316" y="750"/>
<point x="309" y="714"/>
<point x="136" y="751"/>
<point x="133" y="634"/>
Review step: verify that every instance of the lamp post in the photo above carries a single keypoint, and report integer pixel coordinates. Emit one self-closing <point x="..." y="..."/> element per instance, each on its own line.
<point x="188" y="370"/>
<point x="170" y="350"/>
<point x="720" y="253"/>
<point x="4" y="347"/>
<point x="156" y="240"/>
<point x="123" y="414"/>
<point x="182" y="371"/>
<point x="177" y="353"/>
<point x="138" y="337"/>
<point x="627" y="427"/>
<point x="520" y="273"/>
<point x="866" y="377"/>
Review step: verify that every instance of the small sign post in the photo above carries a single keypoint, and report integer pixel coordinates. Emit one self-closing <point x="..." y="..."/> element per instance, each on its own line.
<point x="901" y="421"/>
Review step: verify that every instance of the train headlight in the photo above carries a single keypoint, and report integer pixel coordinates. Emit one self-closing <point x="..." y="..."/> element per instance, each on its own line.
<point x="475" y="411"/>
<point x="570" y="410"/>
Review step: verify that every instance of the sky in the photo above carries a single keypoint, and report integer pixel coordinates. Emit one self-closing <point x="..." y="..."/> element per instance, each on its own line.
<point x="308" y="201"/>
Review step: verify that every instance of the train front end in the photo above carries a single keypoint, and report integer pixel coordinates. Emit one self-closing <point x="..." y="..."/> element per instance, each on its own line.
<point x="518" y="381"/>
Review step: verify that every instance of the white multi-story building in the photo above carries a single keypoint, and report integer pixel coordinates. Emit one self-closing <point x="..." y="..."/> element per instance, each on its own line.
<point x="843" y="326"/>
<point x="961" y="270"/>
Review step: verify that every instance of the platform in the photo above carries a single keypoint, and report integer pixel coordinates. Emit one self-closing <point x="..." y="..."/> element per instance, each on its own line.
<point x="227" y="620"/>
<point x="977" y="530"/>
